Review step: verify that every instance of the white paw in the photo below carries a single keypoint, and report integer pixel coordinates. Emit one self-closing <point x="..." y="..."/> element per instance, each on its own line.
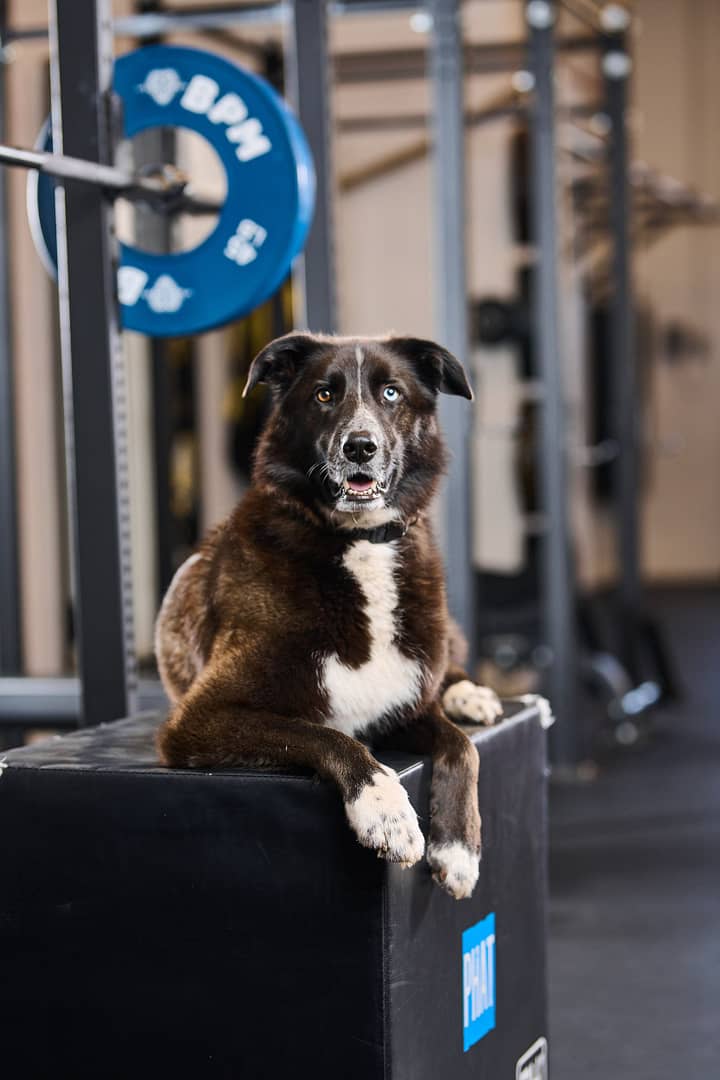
<point x="454" y="867"/>
<point x="543" y="707"/>
<point x="471" y="703"/>
<point x="383" y="818"/>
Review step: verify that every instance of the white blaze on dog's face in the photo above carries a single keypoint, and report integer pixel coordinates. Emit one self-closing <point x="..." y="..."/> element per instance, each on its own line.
<point x="354" y="425"/>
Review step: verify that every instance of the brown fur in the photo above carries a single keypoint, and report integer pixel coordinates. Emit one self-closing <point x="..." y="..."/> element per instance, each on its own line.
<point x="243" y="631"/>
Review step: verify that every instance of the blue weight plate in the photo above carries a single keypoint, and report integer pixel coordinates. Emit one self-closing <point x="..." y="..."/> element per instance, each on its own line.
<point x="307" y="199"/>
<point x="40" y="199"/>
<point x="270" y="192"/>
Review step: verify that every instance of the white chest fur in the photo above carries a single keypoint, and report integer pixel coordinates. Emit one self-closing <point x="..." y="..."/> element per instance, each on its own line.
<point x="358" y="697"/>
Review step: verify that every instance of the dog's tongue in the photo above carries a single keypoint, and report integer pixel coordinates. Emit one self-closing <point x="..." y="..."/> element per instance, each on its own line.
<point x="360" y="483"/>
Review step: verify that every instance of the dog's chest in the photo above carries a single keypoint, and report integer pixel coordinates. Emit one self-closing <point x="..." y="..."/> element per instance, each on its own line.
<point x="359" y="697"/>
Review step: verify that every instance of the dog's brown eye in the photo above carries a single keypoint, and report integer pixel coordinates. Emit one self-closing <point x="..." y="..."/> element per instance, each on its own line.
<point x="323" y="395"/>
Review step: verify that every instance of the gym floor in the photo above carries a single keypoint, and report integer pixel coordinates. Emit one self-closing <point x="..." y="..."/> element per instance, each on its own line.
<point x="635" y="885"/>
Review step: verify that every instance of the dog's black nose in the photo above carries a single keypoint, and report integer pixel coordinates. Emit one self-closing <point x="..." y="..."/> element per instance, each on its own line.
<point x="359" y="447"/>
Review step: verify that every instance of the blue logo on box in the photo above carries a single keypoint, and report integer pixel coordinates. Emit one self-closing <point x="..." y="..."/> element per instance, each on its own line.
<point x="478" y="977"/>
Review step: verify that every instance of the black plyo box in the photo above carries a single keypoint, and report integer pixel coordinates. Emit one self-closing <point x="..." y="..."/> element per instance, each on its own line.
<point x="159" y="923"/>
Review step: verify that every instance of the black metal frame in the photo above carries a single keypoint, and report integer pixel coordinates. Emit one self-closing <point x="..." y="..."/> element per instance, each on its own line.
<point x="158" y="146"/>
<point x="642" y="646"/>
<point x="557" y="582"/>
<point x="308" y="75"/>
<point x="623" y="354"/>
<point x="81" y="59"/>
<point x="447" y="75"/>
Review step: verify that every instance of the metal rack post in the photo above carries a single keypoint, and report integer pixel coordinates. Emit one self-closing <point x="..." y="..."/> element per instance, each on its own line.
<point x="446" y="70"/>
<point x="81" y="56"/>
<point x="153" y="146"/>
<point x="616" y="65"/>
<point x="557" y="586"/>
<point x="308" y="87"/>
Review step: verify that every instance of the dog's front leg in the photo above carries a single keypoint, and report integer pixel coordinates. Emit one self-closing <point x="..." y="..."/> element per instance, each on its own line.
<point x="205" y="731"/>
<point x="453" y="851"/>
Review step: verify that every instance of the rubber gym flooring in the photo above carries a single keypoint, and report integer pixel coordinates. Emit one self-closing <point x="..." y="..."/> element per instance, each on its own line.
<point x="635" y="885"/>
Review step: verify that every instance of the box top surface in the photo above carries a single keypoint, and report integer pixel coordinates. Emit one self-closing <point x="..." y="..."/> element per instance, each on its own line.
<point x="129" y="746"/>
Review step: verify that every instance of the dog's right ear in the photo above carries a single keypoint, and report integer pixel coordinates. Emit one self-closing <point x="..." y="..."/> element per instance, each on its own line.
<point x="278" y="363"/>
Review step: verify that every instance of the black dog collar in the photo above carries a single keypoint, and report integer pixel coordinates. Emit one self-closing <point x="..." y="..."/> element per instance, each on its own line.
<point x="381" y="534"/>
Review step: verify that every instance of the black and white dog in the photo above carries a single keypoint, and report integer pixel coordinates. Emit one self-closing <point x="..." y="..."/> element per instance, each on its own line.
<point x="313" y="624"/>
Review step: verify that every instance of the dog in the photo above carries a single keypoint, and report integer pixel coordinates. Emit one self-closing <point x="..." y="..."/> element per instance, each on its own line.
<point x="312" y="624"/>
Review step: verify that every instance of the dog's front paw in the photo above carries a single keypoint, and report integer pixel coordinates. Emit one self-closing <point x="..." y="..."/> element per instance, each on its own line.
<point x="383" y="818"/>
<point x="454" y="867"/>
<point x="472" y="704"/>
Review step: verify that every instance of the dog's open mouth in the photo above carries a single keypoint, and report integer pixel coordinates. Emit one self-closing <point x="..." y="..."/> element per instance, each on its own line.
<point x="362" y="488"/>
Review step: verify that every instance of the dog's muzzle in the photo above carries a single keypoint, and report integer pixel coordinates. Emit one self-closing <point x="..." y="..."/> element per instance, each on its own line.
<point x="359" y="473"/>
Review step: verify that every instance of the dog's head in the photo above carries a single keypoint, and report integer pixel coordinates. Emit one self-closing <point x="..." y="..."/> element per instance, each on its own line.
<point x="353" y="428"/>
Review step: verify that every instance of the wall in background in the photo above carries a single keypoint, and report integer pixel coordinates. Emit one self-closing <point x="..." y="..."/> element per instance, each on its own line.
<point x="41" y="525"/>
<point x="677" y="94"/>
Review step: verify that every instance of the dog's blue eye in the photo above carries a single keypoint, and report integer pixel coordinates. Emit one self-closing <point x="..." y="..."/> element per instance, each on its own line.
<point x="391" y="393"/>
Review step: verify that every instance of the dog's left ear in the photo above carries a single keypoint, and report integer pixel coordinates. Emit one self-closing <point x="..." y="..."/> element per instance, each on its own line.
<point x="435" y="366"/>
<point x="278" y="363"/>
